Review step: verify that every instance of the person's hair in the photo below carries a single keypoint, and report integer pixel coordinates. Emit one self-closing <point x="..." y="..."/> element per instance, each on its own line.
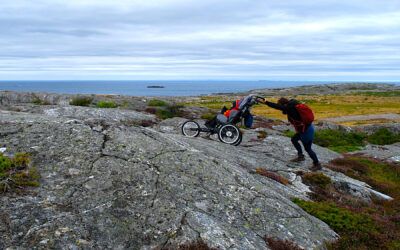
<point x="282" y="101"/>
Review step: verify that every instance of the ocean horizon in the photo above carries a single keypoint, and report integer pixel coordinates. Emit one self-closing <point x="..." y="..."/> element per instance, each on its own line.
<point x="163" y="88"/>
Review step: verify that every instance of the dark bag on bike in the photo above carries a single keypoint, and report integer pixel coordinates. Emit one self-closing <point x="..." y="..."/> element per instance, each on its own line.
<point x="248" y="121"/>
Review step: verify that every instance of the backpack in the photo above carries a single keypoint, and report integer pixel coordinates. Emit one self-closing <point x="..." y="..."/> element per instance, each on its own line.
<point x="305" y="113"/>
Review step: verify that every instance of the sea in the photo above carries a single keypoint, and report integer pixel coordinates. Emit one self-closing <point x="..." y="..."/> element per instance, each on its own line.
<point x="141" y="88"/>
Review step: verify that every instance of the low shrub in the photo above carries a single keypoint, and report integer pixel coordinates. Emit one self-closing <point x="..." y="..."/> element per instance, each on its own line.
<point x="198" y="245"/>
<point x="339" y="219"/>
<point x="157" y="103"/>
<point x="272" y="176"/>
<point x="385" y="214"/>
<point x="146" y="123"/>
<point x="14" y="173"/>
<point x="318" y="179"/>
<point x="21" y="159"/>
<point x="383" y="137"/>
<point x="106" y="104"/>
<point x="172" y="110"/>
<point x="163" y="114"/>
<point x="36" y="101"/>
<point x="278" y="244"/>
<point x="339" y="141"/>
<point x="81" y="101"/>
<point x="151" y="110"/>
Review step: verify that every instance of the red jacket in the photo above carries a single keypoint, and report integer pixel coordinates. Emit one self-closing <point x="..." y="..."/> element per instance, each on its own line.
<point x="234" y="107"/>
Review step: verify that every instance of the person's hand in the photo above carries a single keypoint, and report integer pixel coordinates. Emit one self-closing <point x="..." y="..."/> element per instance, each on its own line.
<point x="263" y="100"/>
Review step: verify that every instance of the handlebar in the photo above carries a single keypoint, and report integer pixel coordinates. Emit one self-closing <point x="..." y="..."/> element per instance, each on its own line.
<point x="257" y="99"/>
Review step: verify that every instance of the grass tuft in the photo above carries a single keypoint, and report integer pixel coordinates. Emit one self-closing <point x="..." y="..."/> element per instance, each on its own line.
<point x="15" y="173"/>
<point x="81" y="101"/>
<point x="339" y="141"/>
<point x="106" y="104"/>
<point x="383" y="137"/>
<point x="157" y="103"/>
<point x="318" y="179"/>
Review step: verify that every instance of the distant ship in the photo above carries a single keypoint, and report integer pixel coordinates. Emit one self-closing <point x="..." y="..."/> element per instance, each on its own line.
<point x="155" y="87"/>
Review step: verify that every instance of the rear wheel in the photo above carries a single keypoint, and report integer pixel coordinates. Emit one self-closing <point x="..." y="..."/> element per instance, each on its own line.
<point x="229" y="134"/>
<point x="190" y="128"/>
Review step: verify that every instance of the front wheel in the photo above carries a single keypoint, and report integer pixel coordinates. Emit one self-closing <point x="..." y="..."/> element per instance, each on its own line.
<point x="229" y="134"/>
<point x="239" y="140"/>
<point x="190" y="128"/>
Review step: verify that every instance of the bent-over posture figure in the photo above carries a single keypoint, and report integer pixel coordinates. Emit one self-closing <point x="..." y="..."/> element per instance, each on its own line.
<point x="305" y="132"/>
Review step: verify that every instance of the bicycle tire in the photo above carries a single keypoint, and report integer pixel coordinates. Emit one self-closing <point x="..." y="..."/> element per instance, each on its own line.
<point x="229" y="134"/>
<point x="190" y="128"/>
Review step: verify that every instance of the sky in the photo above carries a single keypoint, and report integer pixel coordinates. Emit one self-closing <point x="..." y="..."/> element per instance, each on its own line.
<point x="199" y="40"/>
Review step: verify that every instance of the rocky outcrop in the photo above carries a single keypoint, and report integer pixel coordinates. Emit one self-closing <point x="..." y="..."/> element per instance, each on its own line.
<point x="327" y="89"/>
<point x="106" y="183"/>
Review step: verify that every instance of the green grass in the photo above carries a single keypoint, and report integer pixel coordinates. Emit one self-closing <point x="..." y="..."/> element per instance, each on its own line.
<point x="106" y="104"/>
<point x="318" y="179"/>
<point x="339" y="219"/>
<point x="170" y="111"/>
<point x="385" y="178"/>
<point x="383" y="137"/>
<point x="339" y="141"/>
<point x="81" y="101"/>
<point x="157" y="103"/>
<point x="36" y="101"/>
<point x="15" y="173"/>
<point x="395" y="93"/>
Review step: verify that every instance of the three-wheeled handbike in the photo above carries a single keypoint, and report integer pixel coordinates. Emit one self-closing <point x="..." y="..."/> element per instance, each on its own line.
<point x="225" y="127"/>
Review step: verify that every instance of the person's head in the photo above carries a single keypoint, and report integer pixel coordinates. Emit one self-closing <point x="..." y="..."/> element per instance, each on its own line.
<point x="283" y="101"/>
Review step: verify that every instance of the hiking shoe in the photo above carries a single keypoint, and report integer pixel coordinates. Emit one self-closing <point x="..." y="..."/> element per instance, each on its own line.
<point x="316" y="166"/>
<point x="299" y="158"/>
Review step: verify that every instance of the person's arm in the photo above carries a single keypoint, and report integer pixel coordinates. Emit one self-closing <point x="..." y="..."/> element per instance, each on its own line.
<point x="276" y="106"/>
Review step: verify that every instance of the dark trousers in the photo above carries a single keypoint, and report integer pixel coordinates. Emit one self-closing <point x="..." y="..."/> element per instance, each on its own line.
<point x="307" y="146"/>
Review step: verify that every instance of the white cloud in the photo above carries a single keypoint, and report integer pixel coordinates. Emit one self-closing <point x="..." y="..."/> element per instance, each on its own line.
<point x="186" y="39"/>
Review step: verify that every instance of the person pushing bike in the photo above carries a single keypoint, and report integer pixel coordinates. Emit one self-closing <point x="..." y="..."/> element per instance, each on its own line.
<point x="301" y="117"/>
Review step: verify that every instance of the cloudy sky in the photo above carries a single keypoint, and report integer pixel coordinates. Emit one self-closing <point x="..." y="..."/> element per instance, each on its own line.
<point x="200" y="39"/>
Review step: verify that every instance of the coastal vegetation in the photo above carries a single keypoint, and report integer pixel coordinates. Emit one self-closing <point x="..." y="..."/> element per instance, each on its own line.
<point x="155" y="103"/>
<point x="341" y="141"/>
<point x="164" y="110"/>
<point x="15" y="173"/>
<point x="360" y="224"/>
<point x="40" y="102"/>
<point x="323" y="106"/>
<point x="106" y="104"/>
<point x="81" y="101"/>
<point x="339" y="105"/>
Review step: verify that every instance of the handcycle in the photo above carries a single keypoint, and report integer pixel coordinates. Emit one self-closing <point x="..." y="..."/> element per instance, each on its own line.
<point x="225" y="127"/>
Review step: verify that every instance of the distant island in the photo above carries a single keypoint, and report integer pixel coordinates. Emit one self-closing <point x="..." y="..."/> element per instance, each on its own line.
<point x="155" y="87"/>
